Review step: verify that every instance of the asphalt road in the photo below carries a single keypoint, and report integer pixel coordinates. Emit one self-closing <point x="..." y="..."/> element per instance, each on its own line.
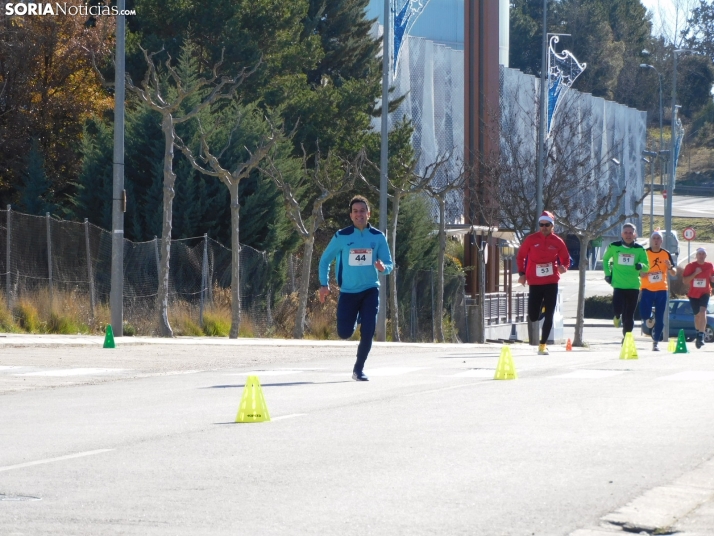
<point x="141" y="439"/>
<point x="683" y="206"/>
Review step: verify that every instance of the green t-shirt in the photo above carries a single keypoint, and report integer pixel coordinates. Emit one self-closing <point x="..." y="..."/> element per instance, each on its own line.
<point x="620" y="261"/>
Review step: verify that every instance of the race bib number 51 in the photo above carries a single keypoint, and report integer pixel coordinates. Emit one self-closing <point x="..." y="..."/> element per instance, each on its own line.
<point x="626" y="259"/>
<point x="361" y="257"/>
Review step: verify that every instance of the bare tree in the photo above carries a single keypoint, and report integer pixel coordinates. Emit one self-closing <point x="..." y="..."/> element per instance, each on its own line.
<point x="583" y="184"/>
<point x="331" y="177"/>
<point x="670" y="19"/>
<point x="154" y="93"/>
<point x="231" y="179"/>
<point x="588" y="220"/>
<point x="438" y="190"/>
<point x="403" y="181"/>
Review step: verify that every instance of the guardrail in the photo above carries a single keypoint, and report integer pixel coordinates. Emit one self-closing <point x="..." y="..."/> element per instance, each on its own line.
<point x="496" y="310"/>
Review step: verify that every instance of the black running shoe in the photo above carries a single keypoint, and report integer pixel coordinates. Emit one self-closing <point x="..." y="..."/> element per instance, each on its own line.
<point x="359" y="377"/>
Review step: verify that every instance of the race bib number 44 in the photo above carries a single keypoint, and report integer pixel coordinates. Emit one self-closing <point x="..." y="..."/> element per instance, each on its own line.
<point x="626" y="259"/>
<point x="361" y="257"/>
<point x="543" y="270"/>
<point x="699" y="283"/>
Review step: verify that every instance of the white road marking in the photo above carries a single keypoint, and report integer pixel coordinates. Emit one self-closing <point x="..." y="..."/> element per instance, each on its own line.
<point x="282" y="417"/>
<point x="57" y="459"/>
<point x="690" y="375"/>
<point x="72" y="372"/>
<point x="266" y="373"/>
<point x="391" y="371"/>
<point x="590" y="374"/>
<point x="476" y="373"/>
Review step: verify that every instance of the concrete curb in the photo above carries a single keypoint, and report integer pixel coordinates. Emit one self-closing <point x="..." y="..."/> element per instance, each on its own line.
<point x="659" y="510"/>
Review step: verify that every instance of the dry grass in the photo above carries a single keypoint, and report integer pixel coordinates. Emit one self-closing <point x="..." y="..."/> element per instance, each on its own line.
<point x="70" y="313"/>
<point x="321" y="320"/>
<point x="703" y="226"/>
<point x="217" y="322"/>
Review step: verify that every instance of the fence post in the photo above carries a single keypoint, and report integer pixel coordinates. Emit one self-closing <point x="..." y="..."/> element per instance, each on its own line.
<point x="49" y="254"/>
<point x="413" y="312"/>
<point x="466" y="318"/>
<point x="433" y="318"/>
<point x="269" y="311"/>
<point x="8" y="278"/>
<point x="92" y="302"/>
<point x="158" y="259"/>
<point x="291" y="268"/>
<point x="204" y="277"/>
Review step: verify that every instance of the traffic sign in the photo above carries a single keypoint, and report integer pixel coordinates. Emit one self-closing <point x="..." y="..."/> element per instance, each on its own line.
<point x="689" y="233"/>
<point x="664" y="194"/>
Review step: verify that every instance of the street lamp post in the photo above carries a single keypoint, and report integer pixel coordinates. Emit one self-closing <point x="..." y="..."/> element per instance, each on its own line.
<point x="661" y="166"/>
<point x="670" y="182"/>
<point x="652" y="155"/>
<point x="116" y="293"/>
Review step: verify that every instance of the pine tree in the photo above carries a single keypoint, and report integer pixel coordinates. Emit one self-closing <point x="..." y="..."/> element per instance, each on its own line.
<point x="93" y="199"/>
<point x="35" y="195"/>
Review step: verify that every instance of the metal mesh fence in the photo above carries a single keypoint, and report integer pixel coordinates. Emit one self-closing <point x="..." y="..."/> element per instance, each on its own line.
<point x="417" y="303"/>
<point x="60" y="258"/>
<point x="416" y="295"/>
<point x="71" y="262"/>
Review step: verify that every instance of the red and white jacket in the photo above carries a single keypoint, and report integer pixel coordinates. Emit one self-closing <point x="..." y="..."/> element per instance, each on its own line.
<point x="544" y="254"/>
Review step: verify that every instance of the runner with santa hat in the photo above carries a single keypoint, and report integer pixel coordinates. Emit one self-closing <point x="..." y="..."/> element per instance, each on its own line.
<point x="541" y="259"/>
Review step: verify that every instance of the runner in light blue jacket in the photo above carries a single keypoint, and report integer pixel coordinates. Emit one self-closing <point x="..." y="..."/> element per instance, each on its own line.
<point x="361" y="252"/>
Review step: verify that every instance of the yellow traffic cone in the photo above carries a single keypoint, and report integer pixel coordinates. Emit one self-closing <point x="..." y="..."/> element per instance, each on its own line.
<point x="109" y="337"/>
<point x="505" y="370"/>
<point x="252" y="404"/>
<point x="672" y="345"/>
<point x="681" y="344"/>
<point x="568" y="346"/>
<point x="629" y="351"/>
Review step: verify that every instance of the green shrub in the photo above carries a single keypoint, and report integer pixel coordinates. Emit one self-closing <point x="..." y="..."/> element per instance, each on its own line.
<point x="27" y="316"/>
<point x="7" y="322"/>
<point x="128" y="329"/>
<point x="598" y="307"/>
<point x="601" y="307"/>
<point x="189" y="328"/>
<point x="216" y="325"/>
<point x="64" y="325"/>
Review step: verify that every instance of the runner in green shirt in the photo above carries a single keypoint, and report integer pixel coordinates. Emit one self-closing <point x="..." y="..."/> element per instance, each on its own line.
<point x="622" y="262"/>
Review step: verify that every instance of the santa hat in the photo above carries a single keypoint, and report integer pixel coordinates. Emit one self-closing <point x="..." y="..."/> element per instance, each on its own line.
<point x="547" y="216"/>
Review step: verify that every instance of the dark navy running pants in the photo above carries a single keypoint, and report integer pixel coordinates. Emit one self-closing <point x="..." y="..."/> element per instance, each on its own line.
<point x="658" y="299"/>
<point x="366" y="304"/>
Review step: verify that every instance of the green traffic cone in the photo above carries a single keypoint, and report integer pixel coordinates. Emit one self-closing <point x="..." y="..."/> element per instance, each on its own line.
<point x="109" y="337"/>
<point x="681" y="344"/>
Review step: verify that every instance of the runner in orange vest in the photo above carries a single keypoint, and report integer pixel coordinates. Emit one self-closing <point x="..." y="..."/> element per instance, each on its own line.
<point x="654" y="287"/>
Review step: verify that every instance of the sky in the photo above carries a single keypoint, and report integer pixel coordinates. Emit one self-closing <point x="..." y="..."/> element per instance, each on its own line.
<point x="667" y="9"/>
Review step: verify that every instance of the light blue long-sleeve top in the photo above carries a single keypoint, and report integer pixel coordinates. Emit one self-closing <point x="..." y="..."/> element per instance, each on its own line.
<point x="356" y="252"/>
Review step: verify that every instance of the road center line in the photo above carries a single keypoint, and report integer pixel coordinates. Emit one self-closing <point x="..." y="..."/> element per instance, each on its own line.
<point x="50" y="460"/>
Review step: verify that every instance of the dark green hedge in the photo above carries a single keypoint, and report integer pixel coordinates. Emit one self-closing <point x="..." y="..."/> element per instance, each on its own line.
<point x="601" y="307"/>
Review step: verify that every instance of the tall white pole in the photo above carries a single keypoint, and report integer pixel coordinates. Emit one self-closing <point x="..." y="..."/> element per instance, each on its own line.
<point x="543" y="113"/>
<point x="116" y="294"/>
<point x="381" y="328"/>
<point x="670" y="188"/>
